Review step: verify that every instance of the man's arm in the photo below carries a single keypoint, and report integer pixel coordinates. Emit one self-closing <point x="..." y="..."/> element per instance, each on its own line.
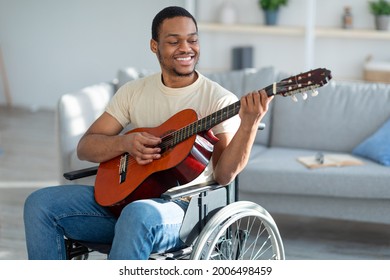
<point x="231" y="153"/>
<point x="102" y="142"/>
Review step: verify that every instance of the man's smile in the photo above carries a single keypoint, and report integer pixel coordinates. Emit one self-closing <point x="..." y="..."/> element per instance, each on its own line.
<point x="185" y="61"/>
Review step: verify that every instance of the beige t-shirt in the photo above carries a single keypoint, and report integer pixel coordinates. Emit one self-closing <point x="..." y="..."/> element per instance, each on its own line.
<point x="147" y="102"/>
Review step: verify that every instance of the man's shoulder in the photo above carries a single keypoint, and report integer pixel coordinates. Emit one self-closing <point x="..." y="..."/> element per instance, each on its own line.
<point x="212" y="83"/>
<point x="214" y="88"/>
<point x="147" y="78"/>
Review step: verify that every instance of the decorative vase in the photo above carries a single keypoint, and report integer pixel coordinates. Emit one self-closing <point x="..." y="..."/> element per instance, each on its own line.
<point x="228" y="13"/>
<point x="271" y="17"/>
<point x="382" y="22"/>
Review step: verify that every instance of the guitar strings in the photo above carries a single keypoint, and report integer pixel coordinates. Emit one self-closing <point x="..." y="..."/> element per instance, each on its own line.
<point x="196" y="127"/>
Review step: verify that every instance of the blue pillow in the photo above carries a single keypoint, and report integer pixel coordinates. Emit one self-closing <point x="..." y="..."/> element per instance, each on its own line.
<point x="377" y="146"/>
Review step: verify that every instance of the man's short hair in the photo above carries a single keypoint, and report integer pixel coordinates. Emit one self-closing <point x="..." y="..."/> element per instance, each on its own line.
<point x="166" y="13"/>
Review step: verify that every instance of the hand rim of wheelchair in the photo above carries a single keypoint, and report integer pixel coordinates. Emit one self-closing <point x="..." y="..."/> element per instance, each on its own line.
<point x="224" y="218"/>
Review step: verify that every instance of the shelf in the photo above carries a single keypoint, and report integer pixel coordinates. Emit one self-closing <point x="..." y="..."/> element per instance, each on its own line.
<point x="308" y="34"/>
<point x="352" y="33"/>
<point x="295" y="31"/>
<point x="251" y="28"/>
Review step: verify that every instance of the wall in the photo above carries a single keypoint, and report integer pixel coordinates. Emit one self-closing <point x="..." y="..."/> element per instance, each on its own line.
<point x="51" y="47"/>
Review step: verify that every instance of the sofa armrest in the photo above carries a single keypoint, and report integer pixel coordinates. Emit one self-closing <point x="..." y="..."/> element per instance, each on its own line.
<point x="76" y="111"/>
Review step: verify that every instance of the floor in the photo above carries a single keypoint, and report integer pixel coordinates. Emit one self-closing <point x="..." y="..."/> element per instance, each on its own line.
<point x="28" y="161"/>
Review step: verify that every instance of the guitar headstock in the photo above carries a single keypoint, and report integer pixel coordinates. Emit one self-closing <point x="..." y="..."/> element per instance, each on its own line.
<point x="302" y="83"/>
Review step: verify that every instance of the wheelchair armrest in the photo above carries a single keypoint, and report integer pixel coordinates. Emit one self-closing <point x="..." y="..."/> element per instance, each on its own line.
<point x="81" y="173"/>
<point x="180" y="192"/>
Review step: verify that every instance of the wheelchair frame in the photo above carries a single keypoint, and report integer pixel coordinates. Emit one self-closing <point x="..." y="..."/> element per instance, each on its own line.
<point x="211" y="228"/>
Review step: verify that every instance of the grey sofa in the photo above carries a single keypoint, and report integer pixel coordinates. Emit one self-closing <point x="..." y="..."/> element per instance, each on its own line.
<point x="341" y="117"/>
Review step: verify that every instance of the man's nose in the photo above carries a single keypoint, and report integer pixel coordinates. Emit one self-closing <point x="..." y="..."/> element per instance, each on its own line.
<point x="184" y="46"/>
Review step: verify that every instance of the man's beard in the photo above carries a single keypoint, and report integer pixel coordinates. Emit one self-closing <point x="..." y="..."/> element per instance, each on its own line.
<point x="178" y="74"/>
<point x="174" y="70"/>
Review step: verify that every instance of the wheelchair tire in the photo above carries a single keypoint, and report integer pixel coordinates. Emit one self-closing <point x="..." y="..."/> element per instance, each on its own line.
<point x="242" y="230"/>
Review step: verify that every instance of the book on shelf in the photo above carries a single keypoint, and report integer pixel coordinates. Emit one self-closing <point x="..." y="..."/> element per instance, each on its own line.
<point x="327" y="160"/>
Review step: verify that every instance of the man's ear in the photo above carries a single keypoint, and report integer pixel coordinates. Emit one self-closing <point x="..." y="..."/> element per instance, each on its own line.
<point x="153" y="45"/>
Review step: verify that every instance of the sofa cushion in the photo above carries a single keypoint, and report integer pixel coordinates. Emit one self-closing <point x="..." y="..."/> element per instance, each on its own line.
<point x="338" y="119"/>
<point x="256" y="79"/>
<point x="231" y="80"/>
<point x="277" y="171"/>
<point x="377" y="146"/>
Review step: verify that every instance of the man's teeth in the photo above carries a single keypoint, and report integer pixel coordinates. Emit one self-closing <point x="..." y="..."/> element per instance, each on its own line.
<point x="184" y="58"/>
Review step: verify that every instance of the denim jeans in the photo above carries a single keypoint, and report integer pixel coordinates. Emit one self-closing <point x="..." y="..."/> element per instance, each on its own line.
<point x="144" y="226"/>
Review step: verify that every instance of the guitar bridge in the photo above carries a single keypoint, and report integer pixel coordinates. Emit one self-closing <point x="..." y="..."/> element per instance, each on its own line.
<point x="123" y="167"/>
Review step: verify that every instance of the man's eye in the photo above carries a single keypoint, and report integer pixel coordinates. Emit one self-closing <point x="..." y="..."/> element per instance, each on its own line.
<point x="173" y="43"/>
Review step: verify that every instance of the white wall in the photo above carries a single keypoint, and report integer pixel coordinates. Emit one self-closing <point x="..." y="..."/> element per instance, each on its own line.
<point x="51" y="47"/>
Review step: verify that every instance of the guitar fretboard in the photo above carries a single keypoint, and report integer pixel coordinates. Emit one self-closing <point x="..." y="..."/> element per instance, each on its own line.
<point x="200" y="125"/>
<point x="206" y="123"/>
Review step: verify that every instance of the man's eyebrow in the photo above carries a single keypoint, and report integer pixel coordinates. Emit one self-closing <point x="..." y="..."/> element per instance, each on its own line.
<point x="178" y="35"/>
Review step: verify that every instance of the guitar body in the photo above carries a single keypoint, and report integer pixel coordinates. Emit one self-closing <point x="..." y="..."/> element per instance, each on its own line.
<point x="178" y="165"/>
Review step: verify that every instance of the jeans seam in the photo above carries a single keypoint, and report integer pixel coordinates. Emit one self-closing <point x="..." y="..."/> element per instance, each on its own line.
<point x="81" y="214"/>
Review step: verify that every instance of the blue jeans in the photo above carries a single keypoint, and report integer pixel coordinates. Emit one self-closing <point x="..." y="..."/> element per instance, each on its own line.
<point x="144" y="226"/>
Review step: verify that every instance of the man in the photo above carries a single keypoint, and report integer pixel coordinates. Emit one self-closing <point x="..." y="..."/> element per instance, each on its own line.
<point x="150" y="225"/>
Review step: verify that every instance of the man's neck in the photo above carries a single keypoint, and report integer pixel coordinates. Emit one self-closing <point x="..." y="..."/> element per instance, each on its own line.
<point x="179" y="81"/>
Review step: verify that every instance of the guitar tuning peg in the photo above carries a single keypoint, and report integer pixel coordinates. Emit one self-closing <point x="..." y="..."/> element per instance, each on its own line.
<point x="314" y="93"/>
<point x="294" y="98"/>
<point x="304" y="95"/>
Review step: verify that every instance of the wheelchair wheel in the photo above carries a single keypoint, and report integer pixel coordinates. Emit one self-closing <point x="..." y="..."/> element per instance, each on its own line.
<point x="242" y="230"/>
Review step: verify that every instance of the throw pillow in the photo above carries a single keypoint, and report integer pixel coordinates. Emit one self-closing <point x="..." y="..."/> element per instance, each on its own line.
<point x="377" y="146"/>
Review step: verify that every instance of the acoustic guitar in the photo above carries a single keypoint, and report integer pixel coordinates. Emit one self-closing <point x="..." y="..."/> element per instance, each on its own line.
<point x="186" y="148"/>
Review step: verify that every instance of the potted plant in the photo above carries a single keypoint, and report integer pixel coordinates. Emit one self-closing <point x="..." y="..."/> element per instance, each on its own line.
<point x="381" y="10"/>
<point x="271" y="10"/>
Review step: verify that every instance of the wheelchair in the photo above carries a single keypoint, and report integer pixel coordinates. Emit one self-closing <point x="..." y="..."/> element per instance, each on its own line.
<point x="216" y="226"/>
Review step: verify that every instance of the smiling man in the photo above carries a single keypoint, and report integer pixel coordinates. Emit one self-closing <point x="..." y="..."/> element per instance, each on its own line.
<point x="149" y="225"/>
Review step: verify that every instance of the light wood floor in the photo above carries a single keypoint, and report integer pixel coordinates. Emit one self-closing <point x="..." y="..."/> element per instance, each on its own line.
<point x="28" y="161"/>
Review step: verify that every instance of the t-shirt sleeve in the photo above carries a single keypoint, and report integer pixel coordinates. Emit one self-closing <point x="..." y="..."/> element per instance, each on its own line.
<point x="118" y="106"/>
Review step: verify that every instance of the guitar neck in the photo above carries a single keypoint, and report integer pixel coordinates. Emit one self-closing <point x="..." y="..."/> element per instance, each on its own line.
<point x="223" y="114"/>
<point x="210" y="121"/>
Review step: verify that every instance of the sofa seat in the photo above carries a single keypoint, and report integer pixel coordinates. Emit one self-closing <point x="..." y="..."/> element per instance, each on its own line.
<point x="274" y="179"/>
<point x="276" y="170"/>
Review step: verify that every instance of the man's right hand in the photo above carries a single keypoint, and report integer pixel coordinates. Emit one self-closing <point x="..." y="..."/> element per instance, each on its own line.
<point x="143" y="147"/>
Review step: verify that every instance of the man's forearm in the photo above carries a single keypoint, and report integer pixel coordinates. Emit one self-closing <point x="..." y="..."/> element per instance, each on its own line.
<point x="235" y="156"/>
<point x="99" y="148"/>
